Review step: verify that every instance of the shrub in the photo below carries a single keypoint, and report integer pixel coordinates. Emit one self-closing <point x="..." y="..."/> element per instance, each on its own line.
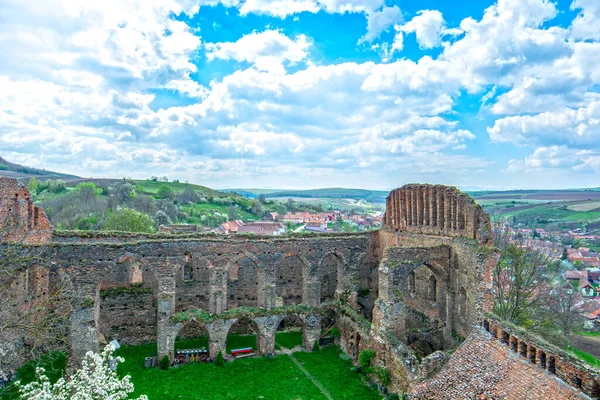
<point x="316" y="348"/>
<point x="393" y="396"/>
<point x="365" y="357"/>
<point x="129" y="220"/>
<point x="164" y="362"/>
<point x="383" y="374"/>
<point x="335" y="332"/>
<point x="220" y="361"/>
<point x="164" y="192"/>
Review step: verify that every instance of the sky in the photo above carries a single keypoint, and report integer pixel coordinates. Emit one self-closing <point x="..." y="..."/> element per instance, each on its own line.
<point x="305" y="93"/>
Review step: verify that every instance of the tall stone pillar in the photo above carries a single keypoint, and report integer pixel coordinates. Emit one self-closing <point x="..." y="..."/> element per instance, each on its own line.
<point x="448" y="210"/>
<point x="450" y="297"/>
<point x="419" y="206"/>
<point x="217" y="336"/>
<point x="266" y="291"/>
<point x="165" y="309"/>
<point x="440" y="209"/>
<point x="413" y="206"/>
<point x="311" y="331"/>
<point x="267" y="328"/>
<point x="432" y="206"/>
<point x="217" y="302"/>
<point x="83" y="332"/>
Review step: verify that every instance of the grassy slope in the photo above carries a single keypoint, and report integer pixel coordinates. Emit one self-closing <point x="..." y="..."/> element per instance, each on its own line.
<point x="151" y="187"/>
<point x="218" y="208"/>
<point x="376" y="196"/>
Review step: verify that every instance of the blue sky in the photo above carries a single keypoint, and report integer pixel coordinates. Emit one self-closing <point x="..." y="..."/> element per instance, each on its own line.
<point x="305" y="93"/>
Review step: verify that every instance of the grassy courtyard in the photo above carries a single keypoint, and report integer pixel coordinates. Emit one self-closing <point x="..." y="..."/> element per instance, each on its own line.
<point x="280" y="377"/>
<point x="251" y="378"/>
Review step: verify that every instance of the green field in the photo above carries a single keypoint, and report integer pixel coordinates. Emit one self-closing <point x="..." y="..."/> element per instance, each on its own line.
<point x="197" y="209"/>
<point x="251" y="378"/>
<point x="151" y="187"/>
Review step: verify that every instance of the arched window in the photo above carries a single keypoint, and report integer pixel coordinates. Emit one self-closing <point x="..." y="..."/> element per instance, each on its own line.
<point x="188" y="272"/>
<point x="551" y="365"/>
<point x="411" y="283"/>
<point x="432" y="288"/>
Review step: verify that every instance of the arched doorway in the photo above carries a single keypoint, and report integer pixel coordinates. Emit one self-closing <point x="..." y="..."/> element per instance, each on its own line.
<point x="242" y="284"/>
<point x="289" y="281"/>
<point x="242" y="334"/>
<point x="328" y="276"/>
<point x="192" y="336"/>
<point x="289" y="332"/>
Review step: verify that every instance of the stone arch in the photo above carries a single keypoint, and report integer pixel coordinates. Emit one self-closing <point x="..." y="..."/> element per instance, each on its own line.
<point x="289" y="280"/>
<point x="244" y="281"/>
<point x="552" y="365"/>
<point x="191" y="334"/>
<point x="542" y="359"/>
<point x="289" y="331"/>
<point x="330" y="272"/>
<point x="243" y="332"/>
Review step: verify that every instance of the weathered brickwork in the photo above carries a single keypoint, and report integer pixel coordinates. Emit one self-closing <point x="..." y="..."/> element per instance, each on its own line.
<point x="412" y="287"/>
<point x="484" y="368"/>
<point x="20" y="220"/>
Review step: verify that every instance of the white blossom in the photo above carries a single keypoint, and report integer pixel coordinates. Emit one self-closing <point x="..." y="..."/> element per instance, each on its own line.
<point x="93" y="381"/>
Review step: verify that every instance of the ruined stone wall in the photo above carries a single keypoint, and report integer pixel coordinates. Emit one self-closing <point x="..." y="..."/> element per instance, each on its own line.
<point x="128" y="315"/>
<point x="20" y="220"/>
<point x="436" y="210"/>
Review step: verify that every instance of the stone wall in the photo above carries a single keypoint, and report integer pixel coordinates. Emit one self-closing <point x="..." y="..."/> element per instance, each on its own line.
<point x="20" y="220"/>
<point x="436" y="210"/>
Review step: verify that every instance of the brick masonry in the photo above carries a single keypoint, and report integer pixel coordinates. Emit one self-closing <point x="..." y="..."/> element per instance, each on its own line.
<point x="412" y="286"/>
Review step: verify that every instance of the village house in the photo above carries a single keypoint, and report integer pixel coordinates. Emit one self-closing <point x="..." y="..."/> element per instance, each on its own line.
<point x="582" y="280"/>
<point x="263" y="228"/>
<point x="229" y="227"/>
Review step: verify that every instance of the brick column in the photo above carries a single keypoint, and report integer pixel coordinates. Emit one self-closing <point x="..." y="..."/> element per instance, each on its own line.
<point x="83" y="333"/>
<point x="165" y="309"/>
<point x="311" y="331"/>
<point x="217" y="336"/>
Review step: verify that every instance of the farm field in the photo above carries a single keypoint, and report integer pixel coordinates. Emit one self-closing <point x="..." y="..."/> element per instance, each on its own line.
<point x="553" y="209"/>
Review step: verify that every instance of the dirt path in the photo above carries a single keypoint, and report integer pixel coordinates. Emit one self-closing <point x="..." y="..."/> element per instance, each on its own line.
<point x="588" y="344"/>
<point x="308" y="375"/>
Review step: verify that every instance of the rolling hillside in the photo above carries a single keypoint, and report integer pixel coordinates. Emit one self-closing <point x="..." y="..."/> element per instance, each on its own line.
<point x="372" y="196"/>
<point x="23" y="173"/>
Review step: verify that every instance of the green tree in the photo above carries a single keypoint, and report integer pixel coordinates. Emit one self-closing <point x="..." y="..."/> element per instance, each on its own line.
<point x="164" y="192"/>
<point x="129" y="220"/>
<point x="33" y="185"/>
<point x="231" y="212"/>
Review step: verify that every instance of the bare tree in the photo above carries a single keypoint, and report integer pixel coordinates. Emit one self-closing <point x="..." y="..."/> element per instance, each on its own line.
<point x="561" y="303"/>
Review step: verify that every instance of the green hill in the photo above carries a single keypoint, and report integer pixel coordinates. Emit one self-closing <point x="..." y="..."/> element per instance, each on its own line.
<point x="372" y="196"/>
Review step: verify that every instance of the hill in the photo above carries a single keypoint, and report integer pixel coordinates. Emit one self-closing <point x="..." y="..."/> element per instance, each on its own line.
<point x="372" y="196"/>
<point x="21" y="172"/>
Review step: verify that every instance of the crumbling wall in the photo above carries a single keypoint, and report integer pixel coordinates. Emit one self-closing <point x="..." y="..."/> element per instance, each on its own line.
<point x="20" y="220"/>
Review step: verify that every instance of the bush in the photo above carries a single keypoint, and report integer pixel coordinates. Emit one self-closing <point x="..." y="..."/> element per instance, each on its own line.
<point x="393" y="396"/>
<point x="164" y="192"/>
<point x="129" y="220"/>
<point x="383" y="374"/>
<point x="365" y="357"/>
<point x="220" y="361"/>
<point x="164" y="362"/>
<point x="316" y="348"/>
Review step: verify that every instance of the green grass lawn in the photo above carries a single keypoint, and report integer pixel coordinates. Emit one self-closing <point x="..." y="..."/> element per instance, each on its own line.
<point x="587" y="357"/>
<point x="54" y="364"/>
<point x="251" y="378"/>
<point x="589" y="334"/>
<point x="288" y="340"/>
<point x="212" y="208"/>
<point x="335" y="374"/>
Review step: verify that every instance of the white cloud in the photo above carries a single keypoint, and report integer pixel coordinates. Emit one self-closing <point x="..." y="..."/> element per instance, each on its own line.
<point x="267" y="50"/>
<point x="559" y="157"/>
<point x="379" y="21"/>
<point x="587" y="24"/>
<point x="567" y="126"/>
<point x="285" y="8"/>
<point x="428" y="25"/>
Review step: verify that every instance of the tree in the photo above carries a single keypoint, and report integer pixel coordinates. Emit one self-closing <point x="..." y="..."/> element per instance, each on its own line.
<point x="161" y="218"/>
<point x="516" y="282"/>
<point x="564" y="255"/>
<point x="262" y="199"/>
<point x="95" y="380"/>
<point x="129" y="220"/>
<point x="188" y="195"/>
<point x="231" y="212"/>
<point x="123" y="190"/>
<point x="33" y="185"/>
<point x="164" y="192"/>
<point x="561" y="303"/>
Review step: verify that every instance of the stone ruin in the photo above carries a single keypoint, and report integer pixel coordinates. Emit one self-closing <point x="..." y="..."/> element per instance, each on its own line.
<point x="408" y="291"/>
